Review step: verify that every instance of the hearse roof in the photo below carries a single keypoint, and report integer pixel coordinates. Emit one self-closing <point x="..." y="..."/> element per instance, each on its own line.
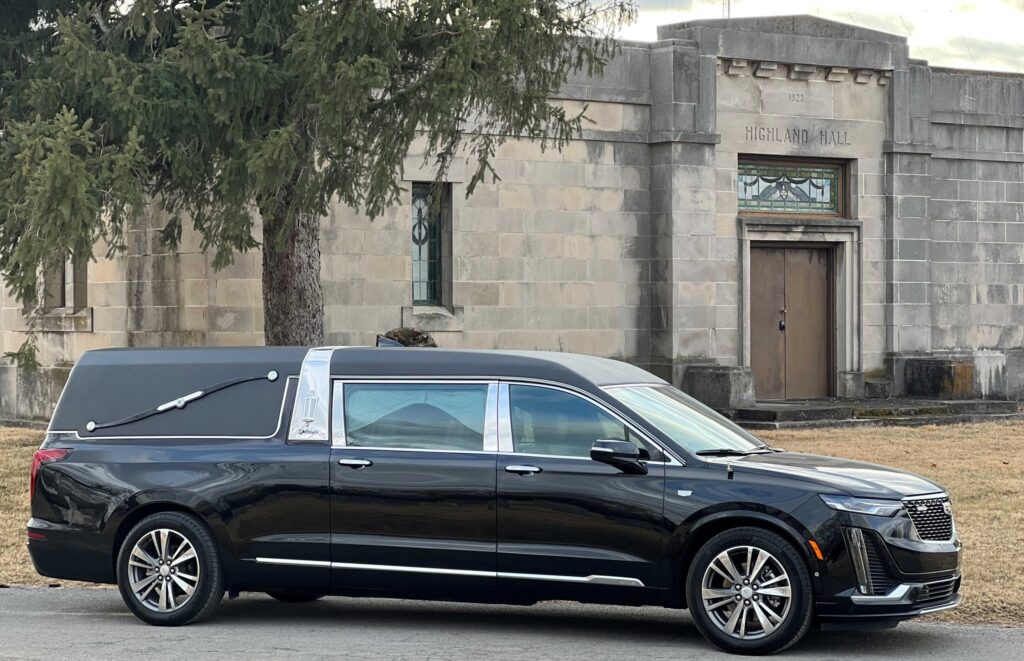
<point x="572" y="368"/>
<point x="239" y="391"/>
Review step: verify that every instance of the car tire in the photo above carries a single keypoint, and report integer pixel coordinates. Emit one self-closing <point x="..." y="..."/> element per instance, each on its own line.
<point x="295" y="597"/>
<point x="750" y="619"/>
<point x="169" y="571"/>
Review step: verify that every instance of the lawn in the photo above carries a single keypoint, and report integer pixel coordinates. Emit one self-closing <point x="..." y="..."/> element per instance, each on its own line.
<point x="982" y="465"/>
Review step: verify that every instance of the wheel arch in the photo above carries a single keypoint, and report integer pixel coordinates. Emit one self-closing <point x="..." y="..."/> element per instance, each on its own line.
<point x="146" y="506"/>
<point x="690" y="542"/>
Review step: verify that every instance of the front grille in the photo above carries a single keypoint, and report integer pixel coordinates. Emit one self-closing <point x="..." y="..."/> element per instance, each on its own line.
<point x="881" y="582"/>
<point x="933" y="594"/>
<point x="930" y="517"/>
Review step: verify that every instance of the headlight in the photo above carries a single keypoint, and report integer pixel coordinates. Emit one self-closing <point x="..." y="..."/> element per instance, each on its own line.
<point x="876" y="506"/>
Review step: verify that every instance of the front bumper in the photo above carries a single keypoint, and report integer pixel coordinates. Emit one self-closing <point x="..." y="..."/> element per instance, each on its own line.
<point x="905" y="577"/>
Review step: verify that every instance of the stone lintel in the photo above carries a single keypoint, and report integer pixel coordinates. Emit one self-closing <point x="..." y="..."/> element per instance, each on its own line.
<point x="661" y="137"/>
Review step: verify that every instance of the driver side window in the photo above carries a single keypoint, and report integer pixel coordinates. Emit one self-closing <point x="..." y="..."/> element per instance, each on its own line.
<point x="546" y="421"/>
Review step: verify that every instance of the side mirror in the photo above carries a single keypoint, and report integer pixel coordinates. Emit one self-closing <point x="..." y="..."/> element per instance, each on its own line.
<point x="621" y="454"/>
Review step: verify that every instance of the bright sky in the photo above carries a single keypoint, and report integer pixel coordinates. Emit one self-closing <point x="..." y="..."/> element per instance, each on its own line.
<point x="983" y="34"/>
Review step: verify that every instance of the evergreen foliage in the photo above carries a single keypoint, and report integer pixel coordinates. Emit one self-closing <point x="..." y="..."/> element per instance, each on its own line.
<point x="221" y="110"/>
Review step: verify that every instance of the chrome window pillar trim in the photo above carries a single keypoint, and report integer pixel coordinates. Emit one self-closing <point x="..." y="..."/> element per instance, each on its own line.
<point x="338" y="414"/>
<point x="310" y="412"/>
<point x="505" y="442"/>
<point x="491" y="419"/>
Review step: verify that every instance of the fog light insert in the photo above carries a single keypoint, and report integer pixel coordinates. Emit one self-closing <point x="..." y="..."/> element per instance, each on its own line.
<point x="859" y="555"/>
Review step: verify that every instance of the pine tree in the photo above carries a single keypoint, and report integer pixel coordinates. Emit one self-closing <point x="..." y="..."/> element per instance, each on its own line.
<point x="220" y="110"/>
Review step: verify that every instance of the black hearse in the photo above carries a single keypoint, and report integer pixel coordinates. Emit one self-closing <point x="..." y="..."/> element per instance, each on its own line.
<point x="509" y="477"/>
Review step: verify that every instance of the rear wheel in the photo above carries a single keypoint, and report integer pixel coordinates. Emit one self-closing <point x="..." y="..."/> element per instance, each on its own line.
<point x="168" y="570"/>
<point x="295" y="597"/>
<point x="749" y="592"/>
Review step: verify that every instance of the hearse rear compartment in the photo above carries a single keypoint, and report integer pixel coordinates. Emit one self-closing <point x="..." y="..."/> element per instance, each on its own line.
<point x="172" y="392"/>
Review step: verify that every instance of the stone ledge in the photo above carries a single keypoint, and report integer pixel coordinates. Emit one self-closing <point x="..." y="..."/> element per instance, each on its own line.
<point x="433" y="318"/>
<point x="657" y="137"/>
<point x="57" y="320"/>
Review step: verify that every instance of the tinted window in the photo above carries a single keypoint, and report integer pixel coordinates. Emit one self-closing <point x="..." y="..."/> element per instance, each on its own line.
<point x="415" y="416"/>
<point x="553" y="422"/>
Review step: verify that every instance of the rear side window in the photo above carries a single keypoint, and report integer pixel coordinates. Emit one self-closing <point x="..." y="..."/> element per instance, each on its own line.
<point x="429" y="416"/>
<point x="551" y="422"/>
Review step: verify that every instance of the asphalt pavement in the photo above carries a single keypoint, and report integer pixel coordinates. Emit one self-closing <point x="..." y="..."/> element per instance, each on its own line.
<point x="93" y="624"/>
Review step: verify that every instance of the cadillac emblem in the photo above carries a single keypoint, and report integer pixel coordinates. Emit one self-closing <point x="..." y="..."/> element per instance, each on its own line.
<point x="922" y="508"/>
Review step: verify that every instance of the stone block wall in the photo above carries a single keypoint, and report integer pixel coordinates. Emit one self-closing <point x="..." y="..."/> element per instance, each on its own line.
<point x="554" y="255"/>
<point x="629" y="242"/>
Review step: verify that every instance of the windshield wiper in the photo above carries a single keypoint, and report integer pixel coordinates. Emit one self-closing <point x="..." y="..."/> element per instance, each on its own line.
<point x="732" y="452"/>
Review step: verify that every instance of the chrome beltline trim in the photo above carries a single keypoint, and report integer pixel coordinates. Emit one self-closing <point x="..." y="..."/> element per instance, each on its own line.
<point x="593" y="579"/>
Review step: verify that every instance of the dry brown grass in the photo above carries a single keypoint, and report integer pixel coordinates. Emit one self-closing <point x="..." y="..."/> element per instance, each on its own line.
<point x="982" y="465"/>
<point x="16" y="448"/>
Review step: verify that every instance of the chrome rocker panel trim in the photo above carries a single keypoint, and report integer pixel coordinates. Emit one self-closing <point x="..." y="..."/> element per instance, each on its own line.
<point x="593" y="579"/>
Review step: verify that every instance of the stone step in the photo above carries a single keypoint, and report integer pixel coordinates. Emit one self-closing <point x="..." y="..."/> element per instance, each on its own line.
<point x="772" y="415"/>
<point x="792" y="413"/>
<point x="898" y="421"/>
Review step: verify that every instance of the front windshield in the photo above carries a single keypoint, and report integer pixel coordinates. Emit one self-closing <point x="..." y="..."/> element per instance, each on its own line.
<point x="685" y="420"/>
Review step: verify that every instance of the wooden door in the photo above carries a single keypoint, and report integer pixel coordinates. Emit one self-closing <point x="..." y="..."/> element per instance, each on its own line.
<point x="790" y="331"/>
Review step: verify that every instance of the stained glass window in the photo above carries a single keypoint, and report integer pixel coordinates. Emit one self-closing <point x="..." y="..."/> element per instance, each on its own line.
<point x="783" y="187"/>
<point x="427" y="220"/>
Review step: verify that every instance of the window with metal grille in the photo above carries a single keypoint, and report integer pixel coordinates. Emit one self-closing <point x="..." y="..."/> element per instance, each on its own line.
<point x="765" y="186"/>
<point x="431" y="243"/>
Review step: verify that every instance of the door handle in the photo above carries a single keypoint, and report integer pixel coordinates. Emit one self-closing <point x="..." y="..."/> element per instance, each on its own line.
<point x="522" y="470"/>
<point x="782" y="325"/>
<point x="355" y="463"/>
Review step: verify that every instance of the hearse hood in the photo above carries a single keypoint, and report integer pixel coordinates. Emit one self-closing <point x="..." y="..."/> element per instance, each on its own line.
<point x="856" y="478"/>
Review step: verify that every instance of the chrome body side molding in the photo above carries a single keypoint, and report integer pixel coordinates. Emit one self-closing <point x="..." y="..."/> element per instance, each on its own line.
<point x="593" y="579"/>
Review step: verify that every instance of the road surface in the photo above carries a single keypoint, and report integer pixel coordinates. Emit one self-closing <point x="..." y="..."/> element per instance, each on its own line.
<point x="93" y="624"/>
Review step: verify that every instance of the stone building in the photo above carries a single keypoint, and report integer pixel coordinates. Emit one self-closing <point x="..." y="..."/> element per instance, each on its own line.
<point x="765" y="207"/>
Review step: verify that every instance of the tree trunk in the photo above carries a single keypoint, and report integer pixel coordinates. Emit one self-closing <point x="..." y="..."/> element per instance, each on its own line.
<point x="293" y="298"/>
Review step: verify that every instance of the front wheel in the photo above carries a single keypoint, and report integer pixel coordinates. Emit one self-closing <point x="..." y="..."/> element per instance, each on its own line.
<point x="168" y="570"/>
<point x="749" y="592"/>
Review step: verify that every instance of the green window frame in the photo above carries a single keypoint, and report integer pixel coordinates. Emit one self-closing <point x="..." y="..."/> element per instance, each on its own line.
<point x="816" y="188"/>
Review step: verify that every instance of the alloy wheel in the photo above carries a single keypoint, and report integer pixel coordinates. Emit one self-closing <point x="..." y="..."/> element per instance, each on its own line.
<point x="163" y="570"/>
<point x="746" y="592"/>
